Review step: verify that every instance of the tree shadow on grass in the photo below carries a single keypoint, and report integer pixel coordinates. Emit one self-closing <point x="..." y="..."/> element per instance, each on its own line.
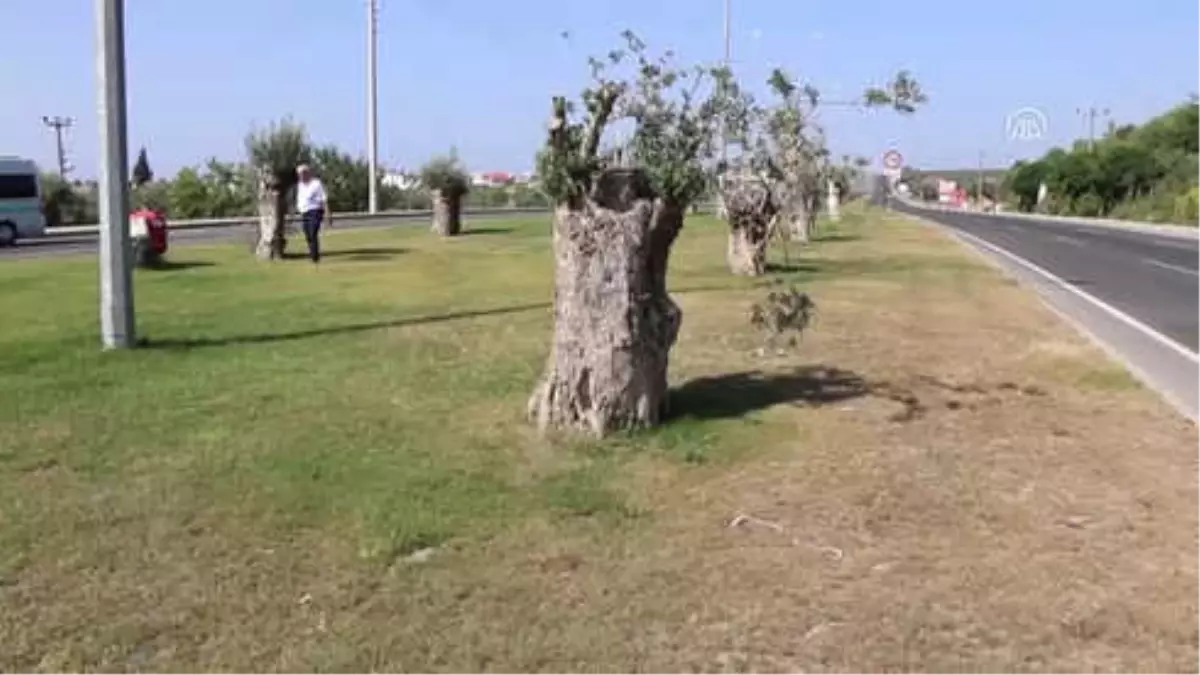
<point x="895" y="266"/>
<point x="790" y="268"/>
<point x="266" y="338"/>
<point x="364" y="254"/>
<point x="833" y="237"/>
<point x="471" y="231"/>
<point x="353" y="254"/>
<point x="736" y="394"/>
<point x="170" y="265"/>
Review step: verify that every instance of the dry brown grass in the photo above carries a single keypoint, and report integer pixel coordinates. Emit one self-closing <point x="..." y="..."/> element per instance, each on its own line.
<point x="980" y="491"/>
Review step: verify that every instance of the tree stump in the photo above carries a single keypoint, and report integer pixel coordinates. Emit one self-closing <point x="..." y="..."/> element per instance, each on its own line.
<point x="447" y="214"/>
<point x="750" y="208"/>
<point x="614" y="324"/>
<point x="272" y="217"/>
<point x="798" y="222"/>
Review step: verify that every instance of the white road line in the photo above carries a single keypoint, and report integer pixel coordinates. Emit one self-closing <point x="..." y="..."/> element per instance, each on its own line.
<point x="1069" y="240"/>
<point x="1169" y="266"/>
<point x="1113" y="311"/>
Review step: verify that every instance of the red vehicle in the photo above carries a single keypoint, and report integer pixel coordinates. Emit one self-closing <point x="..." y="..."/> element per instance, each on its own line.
<point x="148" y="229"/>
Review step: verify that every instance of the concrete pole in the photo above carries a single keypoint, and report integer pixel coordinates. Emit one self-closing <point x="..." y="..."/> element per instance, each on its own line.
<point x="116" y="272"/>
<point x="724" y="139"/>
<point x="728" y="64"/>
<point x="373" y="105"/>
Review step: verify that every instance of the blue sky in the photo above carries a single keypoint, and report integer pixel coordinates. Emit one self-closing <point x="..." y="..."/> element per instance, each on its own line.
<point x="478" y="74"/>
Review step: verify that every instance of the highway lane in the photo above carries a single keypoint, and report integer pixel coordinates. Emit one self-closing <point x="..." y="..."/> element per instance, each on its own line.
<point x="81" y="244"/>
<point x="1153" y="278"/>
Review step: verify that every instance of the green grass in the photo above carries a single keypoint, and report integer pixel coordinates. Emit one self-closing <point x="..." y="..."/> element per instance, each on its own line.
<point x="292" y="396"/>
<point x="378" y="396"/>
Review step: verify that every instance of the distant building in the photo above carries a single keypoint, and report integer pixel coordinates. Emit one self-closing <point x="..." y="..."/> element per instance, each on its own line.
<point x="405" y="180"/>
<point x="492" y="179"/>
<point x="401" y="180"/>
<point x="947" y="191"/>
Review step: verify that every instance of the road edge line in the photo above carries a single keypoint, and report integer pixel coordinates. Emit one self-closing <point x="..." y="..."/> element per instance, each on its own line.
<point x="1183" y="408"/>
<point x="1059" y="281"/>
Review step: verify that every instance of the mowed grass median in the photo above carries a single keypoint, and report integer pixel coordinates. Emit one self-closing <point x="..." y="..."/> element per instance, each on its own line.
<point x="327" y="468"/>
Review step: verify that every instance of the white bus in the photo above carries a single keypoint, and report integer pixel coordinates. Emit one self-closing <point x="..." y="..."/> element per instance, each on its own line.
<point x="20" y="200"/>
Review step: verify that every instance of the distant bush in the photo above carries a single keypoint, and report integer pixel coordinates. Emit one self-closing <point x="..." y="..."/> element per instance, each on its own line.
<point x="1187" y="206"/>
<point x="68" y="204"/>
<point x="1146" y="172"/>
<point x="446" y="175"/>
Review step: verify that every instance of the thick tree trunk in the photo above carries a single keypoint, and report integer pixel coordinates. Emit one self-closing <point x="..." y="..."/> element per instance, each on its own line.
<point x="801" y="216"/>
<point x="798" y="224"/>
<point x="272" y="219"/>
<point x="747" y="253"/>
<point x="614" y="324"/>
<point x="749" y="210"/>
<point x="447" y="214"/>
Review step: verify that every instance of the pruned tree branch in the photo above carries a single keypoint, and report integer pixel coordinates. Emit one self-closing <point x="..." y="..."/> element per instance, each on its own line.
<point x="601" y="110"/>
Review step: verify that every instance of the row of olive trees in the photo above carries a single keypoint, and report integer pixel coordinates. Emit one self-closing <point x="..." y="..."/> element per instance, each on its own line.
<point x="784" y="170"/>
<point x="619" y="210"/>
<point x="218" y="189"/>
<point x="275" y="152"/>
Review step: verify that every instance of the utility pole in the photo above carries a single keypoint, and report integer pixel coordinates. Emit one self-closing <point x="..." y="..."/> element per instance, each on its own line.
<point x="1089" y="114"/>
<point x="728" y="65"/>
<point x="116" y="273"/>
<point x="373" y="105"/>
<point x="724" y="138"/>
<point x="59" y="124"/>
<point x="979" y="190"/>
<point x="728" y="33"/>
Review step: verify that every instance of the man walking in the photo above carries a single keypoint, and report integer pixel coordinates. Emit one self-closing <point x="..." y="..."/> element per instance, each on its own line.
<point x="313" y="208"/>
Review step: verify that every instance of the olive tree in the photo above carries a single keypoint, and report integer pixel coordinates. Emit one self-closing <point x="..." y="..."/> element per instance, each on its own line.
<point x="616" y="216"/>
<point x="777" y="177"/>
<point x="274" y="154"/>
<point x="779" y="182"/>
<point x="447" y="183"/>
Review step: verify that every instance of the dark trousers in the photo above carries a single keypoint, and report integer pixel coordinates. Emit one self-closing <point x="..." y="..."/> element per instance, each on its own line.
<point x="312" y="230"/>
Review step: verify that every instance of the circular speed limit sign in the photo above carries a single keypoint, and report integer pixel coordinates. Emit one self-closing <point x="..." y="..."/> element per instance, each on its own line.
<point x="892" y="160"/>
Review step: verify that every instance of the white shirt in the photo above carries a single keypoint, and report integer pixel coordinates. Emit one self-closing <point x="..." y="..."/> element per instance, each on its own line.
<point x="310" y="196"/>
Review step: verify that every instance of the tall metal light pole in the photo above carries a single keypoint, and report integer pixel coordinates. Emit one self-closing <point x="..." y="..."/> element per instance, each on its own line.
<point x="373" y="105"/>
<point x="728" y="32"/>
<point x="116" y="273"/>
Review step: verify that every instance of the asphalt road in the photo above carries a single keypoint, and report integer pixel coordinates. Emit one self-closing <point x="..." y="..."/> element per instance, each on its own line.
<point x="1135" y="294"/>
<point x="1153" y="278"/>
<point x="87" y="243"/>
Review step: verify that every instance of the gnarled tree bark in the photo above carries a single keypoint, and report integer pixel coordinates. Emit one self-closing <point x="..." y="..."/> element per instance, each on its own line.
<point x="797" y="220"/>
<point x="750" y="208"/>
<point x="447" y="213"/>
<point x="272" y="216"/>
<point x="614" y="324"/>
